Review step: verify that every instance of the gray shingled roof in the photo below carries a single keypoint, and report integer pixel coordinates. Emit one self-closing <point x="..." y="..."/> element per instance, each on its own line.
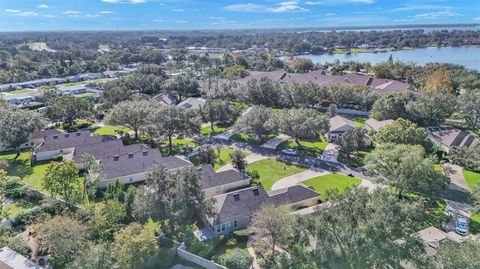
<point x="69" y="140"/>
<point x="140" y="162"/>
<point x="210" y="178"/>
<point x="339" y="122"/>
<point x="42" y="133"/>
<point x="451" y="137"/>
<point x="246" y="202"/>
<point x="377" y="125"/>
<point x="107" y="148"/>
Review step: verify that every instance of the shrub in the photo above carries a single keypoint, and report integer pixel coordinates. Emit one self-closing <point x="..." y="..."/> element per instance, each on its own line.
<point x="58" y="158"/>
<point x="4" y="165"/>
<point x="231" y="242"/>
<point x="238" y="259"/>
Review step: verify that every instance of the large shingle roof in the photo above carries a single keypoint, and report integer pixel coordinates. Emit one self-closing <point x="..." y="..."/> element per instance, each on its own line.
<point x="210" y="178"/>
<point x="246" y="202"/>
<point x="339" y="122"/>
<point x="69" y="140"/>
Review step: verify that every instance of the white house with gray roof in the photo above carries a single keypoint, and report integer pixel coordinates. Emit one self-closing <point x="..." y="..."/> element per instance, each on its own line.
<point x="338" y="126"/>
<point x="215" y="183"/>
<point x="234" y="210"/>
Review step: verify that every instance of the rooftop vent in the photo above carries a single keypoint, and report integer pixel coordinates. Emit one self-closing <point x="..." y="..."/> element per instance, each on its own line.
<point x="78" y="134"/>
<point x="145" y="153"/>
<point x="55" y="137"/>
<point x="67" y="135"/>
<point x="255" y="192"/>
<point x="130" y="155"/>
<point x="116" y="158"/>
<point x="236" y="197"/>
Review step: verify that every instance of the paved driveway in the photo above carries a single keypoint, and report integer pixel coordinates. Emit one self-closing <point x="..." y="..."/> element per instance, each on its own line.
<point x="330" y="154"/>
<point x="253" y="157"/>
<point x="298" y="178"/>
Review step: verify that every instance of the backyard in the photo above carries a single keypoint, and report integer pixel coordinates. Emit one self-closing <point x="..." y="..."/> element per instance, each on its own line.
<point x="110" y="130"/>
<point x="271" y="170"/>
<point x="472" y="178"/>
<point x="218" y="129"/>
<point x="324" y="183"/>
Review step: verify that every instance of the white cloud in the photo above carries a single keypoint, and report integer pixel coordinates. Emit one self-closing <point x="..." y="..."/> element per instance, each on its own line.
<point x="71" y="12"/>
<point x="247" y="7"/>
<point x="421" y="7"/>
<point x="178" y="10"/>
<point x="181" y="21"/>
<point x="42" y="6"/>
<point x="289" y="6"/>
<point x="477" y="19"/>
<point x="12" y="10"/>
<point x="106" y="12"/>
<point x="27" y="14"/>
<point x="158" y="20"/>
<point x="338" y="2"/>
<point x="92" y="15"/>
<point x="329" y="14"/>
<point x="435" y="15"/>
<point x="49" y="16"/>
<point x="124" y="1"/>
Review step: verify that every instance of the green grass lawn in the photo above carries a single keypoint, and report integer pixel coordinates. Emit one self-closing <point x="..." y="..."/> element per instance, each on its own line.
<point x="223" y="158"/>
<point x="308" y="147"/>
<point x="217" y="130"/>
<point x="332" y="181"/>
<point x="110" y="130"/>
<point x="474" y="224"/>
<point x="22" y="170"/>
<point x="230" y="244"/>
<point x="20" y="91"/>
<point x="472" y="178"/>
<point x="12" y="210"/>
<point x="271" y="170"/>
<point x="360" y="122"/>
<point x="247" y="138"/>
<point x="178" y="145"/>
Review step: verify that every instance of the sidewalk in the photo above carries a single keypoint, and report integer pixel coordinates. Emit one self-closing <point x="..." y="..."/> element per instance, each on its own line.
<point x="297" y="178"/>
<point x="253" y="157"/>
<point x="330" y="154"/>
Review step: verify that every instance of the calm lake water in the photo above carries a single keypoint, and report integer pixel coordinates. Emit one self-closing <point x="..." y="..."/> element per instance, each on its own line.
<point x="466" y="56"/>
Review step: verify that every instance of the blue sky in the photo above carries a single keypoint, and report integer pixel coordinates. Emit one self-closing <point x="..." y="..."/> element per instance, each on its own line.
<point x="200" y="14"/>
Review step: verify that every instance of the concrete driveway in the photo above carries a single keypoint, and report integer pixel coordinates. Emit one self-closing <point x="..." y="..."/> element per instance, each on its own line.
<point x="298" y="178"/>
<point x="253" y="157"/>
<point x="330" y="154"/>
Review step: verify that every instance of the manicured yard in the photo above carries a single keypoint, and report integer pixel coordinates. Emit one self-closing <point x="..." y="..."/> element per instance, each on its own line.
<point x="223" y="158"/>
<point x="22" y="169"/>
<point x="178" y="145"/>
<point x="271" y="170"/>
<point x="218" y="129"/>
<point x="332" y="181"/>
<point x="247" y="138"/>
<point x="308" y="147"/>
<point x="471" y="177"/>
<point x="360" y="122"/>
<point x="110" y="130"/>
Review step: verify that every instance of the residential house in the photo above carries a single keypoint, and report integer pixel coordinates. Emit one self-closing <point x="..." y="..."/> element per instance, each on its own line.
<point x="166" y="99"/>
<point x="448" y="137"/>
<point x="36" y="138"/>
<point x="192" y="103"/>
<point x="320" y="78"/>
<point x="215" y="183"/>
<point x="129" y="168"/>
<point x="375" y="125"/>
<point x="64" y="144"/>
<point x="338" y="126"/>
<point x="10" y="259"/>
<point x="234" y="210"/>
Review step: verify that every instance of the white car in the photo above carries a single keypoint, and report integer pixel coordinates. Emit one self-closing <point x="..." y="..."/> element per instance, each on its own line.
<point x="290" y="152"/>
<point x="461" y="226"/>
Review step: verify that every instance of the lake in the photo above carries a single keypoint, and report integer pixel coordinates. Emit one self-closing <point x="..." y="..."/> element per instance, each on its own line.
<point x="466" y="56"/>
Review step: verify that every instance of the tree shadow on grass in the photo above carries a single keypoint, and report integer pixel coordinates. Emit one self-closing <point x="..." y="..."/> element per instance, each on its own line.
<point x="20" y="168"/>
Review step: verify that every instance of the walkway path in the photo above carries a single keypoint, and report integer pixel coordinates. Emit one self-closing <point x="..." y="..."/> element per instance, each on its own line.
<point x="275" y="142"/>
<point x="298" y="178"/>
<point x="225" y="135"/>
<point x="251" y="252"/>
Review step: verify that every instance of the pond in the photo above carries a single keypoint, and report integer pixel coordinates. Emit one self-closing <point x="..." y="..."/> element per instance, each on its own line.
<point x="466" y="56"/>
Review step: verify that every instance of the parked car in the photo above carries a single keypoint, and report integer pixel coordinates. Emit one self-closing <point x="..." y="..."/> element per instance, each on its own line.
<point x="461" y="226"/>
<point x="290" y="152"/>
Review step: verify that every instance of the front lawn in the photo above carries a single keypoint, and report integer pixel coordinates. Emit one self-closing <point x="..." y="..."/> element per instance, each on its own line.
<point x="223" y="158"/>
<point x="218" y="129"/>
<point x="177" y="145"/>
<point x="308" y="147"/>
<point x="22" y="169"/>
<point x="110" y="130"/>
<point x="332" y="181"/>
<point x="271" y="170"/>
<point x="472" y="178"/>
<point x="249" y="139"/>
